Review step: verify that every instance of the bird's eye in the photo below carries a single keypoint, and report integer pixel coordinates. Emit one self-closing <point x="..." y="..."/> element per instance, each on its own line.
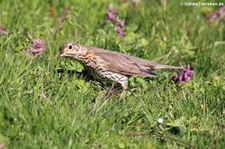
<point x="70" y="47"/>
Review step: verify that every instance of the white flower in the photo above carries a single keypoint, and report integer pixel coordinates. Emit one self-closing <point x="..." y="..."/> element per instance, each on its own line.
<point x="160" y="120"/>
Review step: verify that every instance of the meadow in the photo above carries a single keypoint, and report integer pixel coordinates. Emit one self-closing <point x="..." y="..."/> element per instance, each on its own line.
<point x="43" y="108"/>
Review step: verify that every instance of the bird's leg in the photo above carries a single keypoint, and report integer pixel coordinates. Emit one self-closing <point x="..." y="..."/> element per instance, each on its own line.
<point x="118" y="91"/>
<point x="110" y="93"/>
<point x="124" y="85"/>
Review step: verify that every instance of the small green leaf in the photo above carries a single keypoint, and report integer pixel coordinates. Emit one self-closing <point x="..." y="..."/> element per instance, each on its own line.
<point x="144" y="42"/>
<point x="121" y="145"/>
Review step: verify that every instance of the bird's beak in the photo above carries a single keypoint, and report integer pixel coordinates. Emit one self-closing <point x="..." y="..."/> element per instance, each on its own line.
<point x="66" y="54"/>
<point x="63" y="54"/>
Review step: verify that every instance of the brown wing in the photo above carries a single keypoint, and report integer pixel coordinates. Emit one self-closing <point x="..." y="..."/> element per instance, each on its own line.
<point x="128" y="65"/>
<point x="120" y="63"/>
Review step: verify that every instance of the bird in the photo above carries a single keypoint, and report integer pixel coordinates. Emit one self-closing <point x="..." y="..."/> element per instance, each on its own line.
<point x="111" y="66"/>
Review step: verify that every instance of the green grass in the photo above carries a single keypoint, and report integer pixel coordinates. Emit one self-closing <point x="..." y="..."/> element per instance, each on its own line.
<point x="43" y="109"/>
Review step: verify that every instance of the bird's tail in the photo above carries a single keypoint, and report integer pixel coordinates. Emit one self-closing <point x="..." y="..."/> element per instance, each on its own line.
<point x="161" y="66"/>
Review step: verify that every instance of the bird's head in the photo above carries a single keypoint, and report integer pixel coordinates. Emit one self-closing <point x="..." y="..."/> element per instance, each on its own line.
<point x="72" y="50"/>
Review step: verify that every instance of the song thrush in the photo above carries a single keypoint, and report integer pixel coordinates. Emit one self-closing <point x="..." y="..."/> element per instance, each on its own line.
<point x="110" y="65"/>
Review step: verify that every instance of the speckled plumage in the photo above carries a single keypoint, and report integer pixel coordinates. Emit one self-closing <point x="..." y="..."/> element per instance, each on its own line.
<point x="110" y="65"/>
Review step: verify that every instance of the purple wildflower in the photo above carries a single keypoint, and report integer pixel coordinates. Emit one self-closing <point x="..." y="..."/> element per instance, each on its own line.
<point x="111" y="10"/>
<point x="183" y="75"/>
<point x="2" y="30"/>
<point x="37" y="45"/>
<point x="109" y="17"/>
<point x="218" y="14"/>
<point x="119" y="31"/>
<point x="110" y="13"/>
<point x="120" y="22"/>
<point x="117" y="23"/>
